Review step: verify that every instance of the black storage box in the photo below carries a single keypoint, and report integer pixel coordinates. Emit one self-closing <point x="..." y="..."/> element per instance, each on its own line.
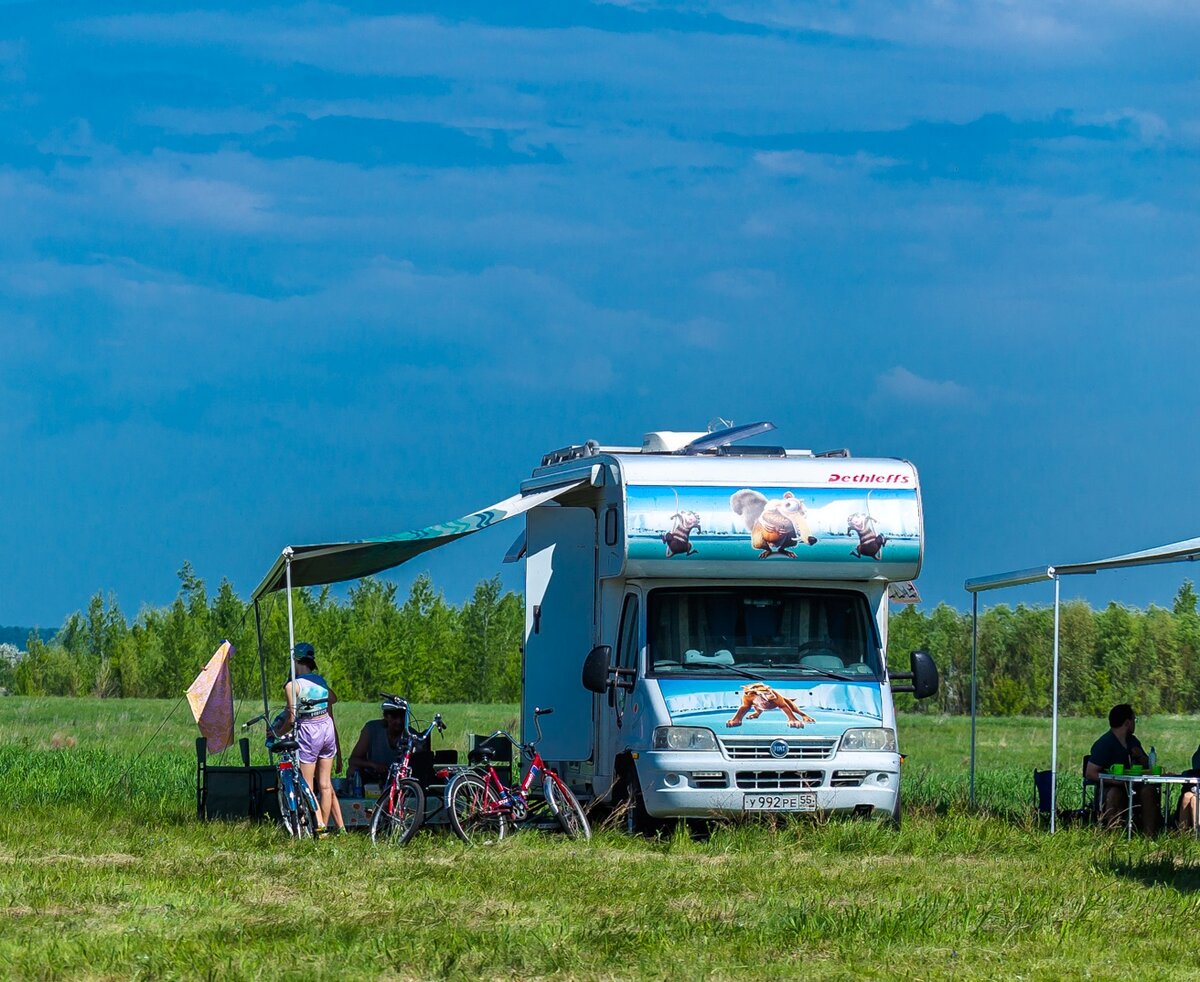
<point x="234" y="792"/>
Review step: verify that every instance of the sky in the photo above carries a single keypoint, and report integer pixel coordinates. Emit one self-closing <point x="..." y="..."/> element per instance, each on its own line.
<point x="291" y="274"/>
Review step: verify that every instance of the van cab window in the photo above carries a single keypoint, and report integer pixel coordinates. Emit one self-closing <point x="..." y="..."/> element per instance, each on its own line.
<point x="628" y="645"/>
<point x="759" y="631"/>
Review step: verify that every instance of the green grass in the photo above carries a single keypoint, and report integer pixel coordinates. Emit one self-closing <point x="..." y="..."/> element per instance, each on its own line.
<point x="106" y="880"/>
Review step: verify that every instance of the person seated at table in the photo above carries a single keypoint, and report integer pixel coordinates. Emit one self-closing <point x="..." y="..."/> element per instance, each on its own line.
<point x="379" y="744"/>
<point x="1185" y="817"/>
<point x="1120" y="746"/>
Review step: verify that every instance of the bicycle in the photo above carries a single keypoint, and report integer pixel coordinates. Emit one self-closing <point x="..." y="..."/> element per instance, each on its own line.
<point x="482" y="805"/>
<point x="297" y="803"/>
<point x="400" y="810"/>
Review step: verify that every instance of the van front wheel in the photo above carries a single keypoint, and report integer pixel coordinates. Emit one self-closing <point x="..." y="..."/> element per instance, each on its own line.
<point x="638" y="821"/>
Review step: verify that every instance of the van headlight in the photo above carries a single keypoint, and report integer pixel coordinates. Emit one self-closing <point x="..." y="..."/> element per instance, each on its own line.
<point x="684" y="738"/>
<point x="876" y="738"/>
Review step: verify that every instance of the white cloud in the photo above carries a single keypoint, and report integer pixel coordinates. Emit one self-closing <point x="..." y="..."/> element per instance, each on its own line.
<point x="741" y="283"/>
<point x="165" y="195"/>
<point x="899" y="384"/>
<point x="821" y="166"/>
<point x="1024" y="27"/>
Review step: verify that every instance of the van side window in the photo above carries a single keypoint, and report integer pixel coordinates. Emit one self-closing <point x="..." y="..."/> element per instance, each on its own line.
<point x="628" y="644"/>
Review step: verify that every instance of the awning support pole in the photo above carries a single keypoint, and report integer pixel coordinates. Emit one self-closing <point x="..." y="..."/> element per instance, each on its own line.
<point x="974" y="650"/>
<point x="1054" y="718"/>
<point x="287" y="562"/>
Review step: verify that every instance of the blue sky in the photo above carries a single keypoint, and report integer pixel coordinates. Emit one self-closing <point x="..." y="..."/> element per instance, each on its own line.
<point x="287" y="274"/>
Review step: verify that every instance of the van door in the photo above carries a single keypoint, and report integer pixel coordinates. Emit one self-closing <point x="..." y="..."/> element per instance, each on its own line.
<point x="615" y="711"/>
<point x="560" y="604"/>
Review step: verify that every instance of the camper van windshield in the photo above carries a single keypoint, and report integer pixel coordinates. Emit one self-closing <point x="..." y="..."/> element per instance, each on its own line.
<point x="761" y="631"/>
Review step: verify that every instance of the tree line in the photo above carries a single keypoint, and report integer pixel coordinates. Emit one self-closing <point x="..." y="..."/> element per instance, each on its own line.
<point x="432" y="651"/>
<point x="1149" y="658"/>
<point x="372" y="641"/>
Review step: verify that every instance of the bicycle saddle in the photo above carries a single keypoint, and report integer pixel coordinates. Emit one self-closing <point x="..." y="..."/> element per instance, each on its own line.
<point x="286" y="745"/>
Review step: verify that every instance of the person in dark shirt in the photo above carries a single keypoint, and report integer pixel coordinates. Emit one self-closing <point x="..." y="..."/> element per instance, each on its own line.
<point x="1120" y="746"/>
<point x="380" y="743"/>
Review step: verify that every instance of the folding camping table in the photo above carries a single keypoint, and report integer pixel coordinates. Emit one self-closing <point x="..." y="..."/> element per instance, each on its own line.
<point x="1161" y="783"/>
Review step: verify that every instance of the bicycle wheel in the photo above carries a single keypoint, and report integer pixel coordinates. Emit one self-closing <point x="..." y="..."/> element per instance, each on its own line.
<point x="566" y="807"/>
<point x="306" y="808"/>
<point x="399" y="812"/>
<point x="297" y="809"/>
<point x="287" y="809"/>
<point x="475" y="812"/>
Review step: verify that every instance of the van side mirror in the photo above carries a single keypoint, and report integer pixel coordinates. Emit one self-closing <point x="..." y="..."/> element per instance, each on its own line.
<point x="924" y="676"/>
<point x="595" y="669"/>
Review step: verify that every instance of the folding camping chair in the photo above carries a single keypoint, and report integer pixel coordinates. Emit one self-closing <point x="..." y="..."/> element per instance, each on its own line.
<point x="1041" y="787"/>
<point x="1089" y="796"/>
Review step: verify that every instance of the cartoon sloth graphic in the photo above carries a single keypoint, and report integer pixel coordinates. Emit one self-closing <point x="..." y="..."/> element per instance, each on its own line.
<point x="758" y="698"/>
<point x="679" y="539"/>
<point x="775" y="526"/>
<point x="870" y="540"/>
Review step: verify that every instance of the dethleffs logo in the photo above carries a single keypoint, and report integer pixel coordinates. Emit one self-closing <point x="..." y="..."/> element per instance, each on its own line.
<point x="870" y="479"/>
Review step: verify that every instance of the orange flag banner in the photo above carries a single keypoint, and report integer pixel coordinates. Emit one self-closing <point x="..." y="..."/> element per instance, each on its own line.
<point x="211" y="699"/>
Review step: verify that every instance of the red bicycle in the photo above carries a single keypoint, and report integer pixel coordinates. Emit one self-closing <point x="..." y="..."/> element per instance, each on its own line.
<point x="482" y="807"/>
<point x="400" y="810"/>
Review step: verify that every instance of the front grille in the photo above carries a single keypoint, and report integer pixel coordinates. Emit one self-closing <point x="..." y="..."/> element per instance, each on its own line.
<point x="847" y="779"/>
<point x="710" y="781"/>
<point x="779" y="780"/>
<point x="799" y="748"/>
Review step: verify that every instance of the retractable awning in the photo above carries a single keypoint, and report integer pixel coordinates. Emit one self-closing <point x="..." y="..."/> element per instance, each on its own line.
<point x="1186" y="550"/>
<point x="334" y="562"/>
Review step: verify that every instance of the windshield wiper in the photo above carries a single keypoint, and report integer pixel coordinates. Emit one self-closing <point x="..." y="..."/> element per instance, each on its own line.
<point x="728" y="668"/>
<point x="744" y="673"/>
<point x="840" y="676"/>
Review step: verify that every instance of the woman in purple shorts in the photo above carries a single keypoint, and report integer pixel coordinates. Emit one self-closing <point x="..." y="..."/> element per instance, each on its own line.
<point x="315" y="732"/>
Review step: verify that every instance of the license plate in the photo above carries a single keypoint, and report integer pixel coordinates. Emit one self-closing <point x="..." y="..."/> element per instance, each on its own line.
<point x="802" y="802"/>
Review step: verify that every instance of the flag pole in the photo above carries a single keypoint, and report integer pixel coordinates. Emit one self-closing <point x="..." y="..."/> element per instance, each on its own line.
<point x="262" y="659"/>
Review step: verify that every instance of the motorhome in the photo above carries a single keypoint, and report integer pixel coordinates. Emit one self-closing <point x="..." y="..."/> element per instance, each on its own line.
<point x="709" y="620"/>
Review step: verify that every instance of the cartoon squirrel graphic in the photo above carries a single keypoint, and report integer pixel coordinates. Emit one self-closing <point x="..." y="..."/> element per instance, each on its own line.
<point x="776" y="525"/>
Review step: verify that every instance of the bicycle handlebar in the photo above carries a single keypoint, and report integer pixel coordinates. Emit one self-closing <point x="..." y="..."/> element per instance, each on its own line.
<point x="437" y="722"/>
<point x="525" y="748"/>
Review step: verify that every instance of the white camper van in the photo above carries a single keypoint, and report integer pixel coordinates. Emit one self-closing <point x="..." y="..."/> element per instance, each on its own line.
<point x="734" y="602"/>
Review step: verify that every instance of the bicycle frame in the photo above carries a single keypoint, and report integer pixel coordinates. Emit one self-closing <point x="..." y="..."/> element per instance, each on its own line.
<point x="402" y="768"/>
<point x="291" y="783"/>
<point x="514" y="800"/>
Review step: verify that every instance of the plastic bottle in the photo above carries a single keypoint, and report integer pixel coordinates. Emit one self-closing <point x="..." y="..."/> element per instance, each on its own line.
<point x="1153" y="759"/>
<point x="356" y="786"/>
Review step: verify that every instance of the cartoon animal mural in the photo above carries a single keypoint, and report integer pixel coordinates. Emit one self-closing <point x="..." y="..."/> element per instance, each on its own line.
<point x="870" y="540"/>
<point x="776" y="525"/>
<point x="679" y="539"/>
<point x="757" y="698"/>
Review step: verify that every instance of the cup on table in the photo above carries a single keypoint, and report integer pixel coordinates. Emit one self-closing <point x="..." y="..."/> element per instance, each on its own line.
<point x="1135" y="770"/>
<point x="1117" y="769"/>
<point x="1156" y="769"/>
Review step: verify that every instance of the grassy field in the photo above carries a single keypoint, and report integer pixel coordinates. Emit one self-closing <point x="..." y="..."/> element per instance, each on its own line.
<point x="106" y="874"/>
